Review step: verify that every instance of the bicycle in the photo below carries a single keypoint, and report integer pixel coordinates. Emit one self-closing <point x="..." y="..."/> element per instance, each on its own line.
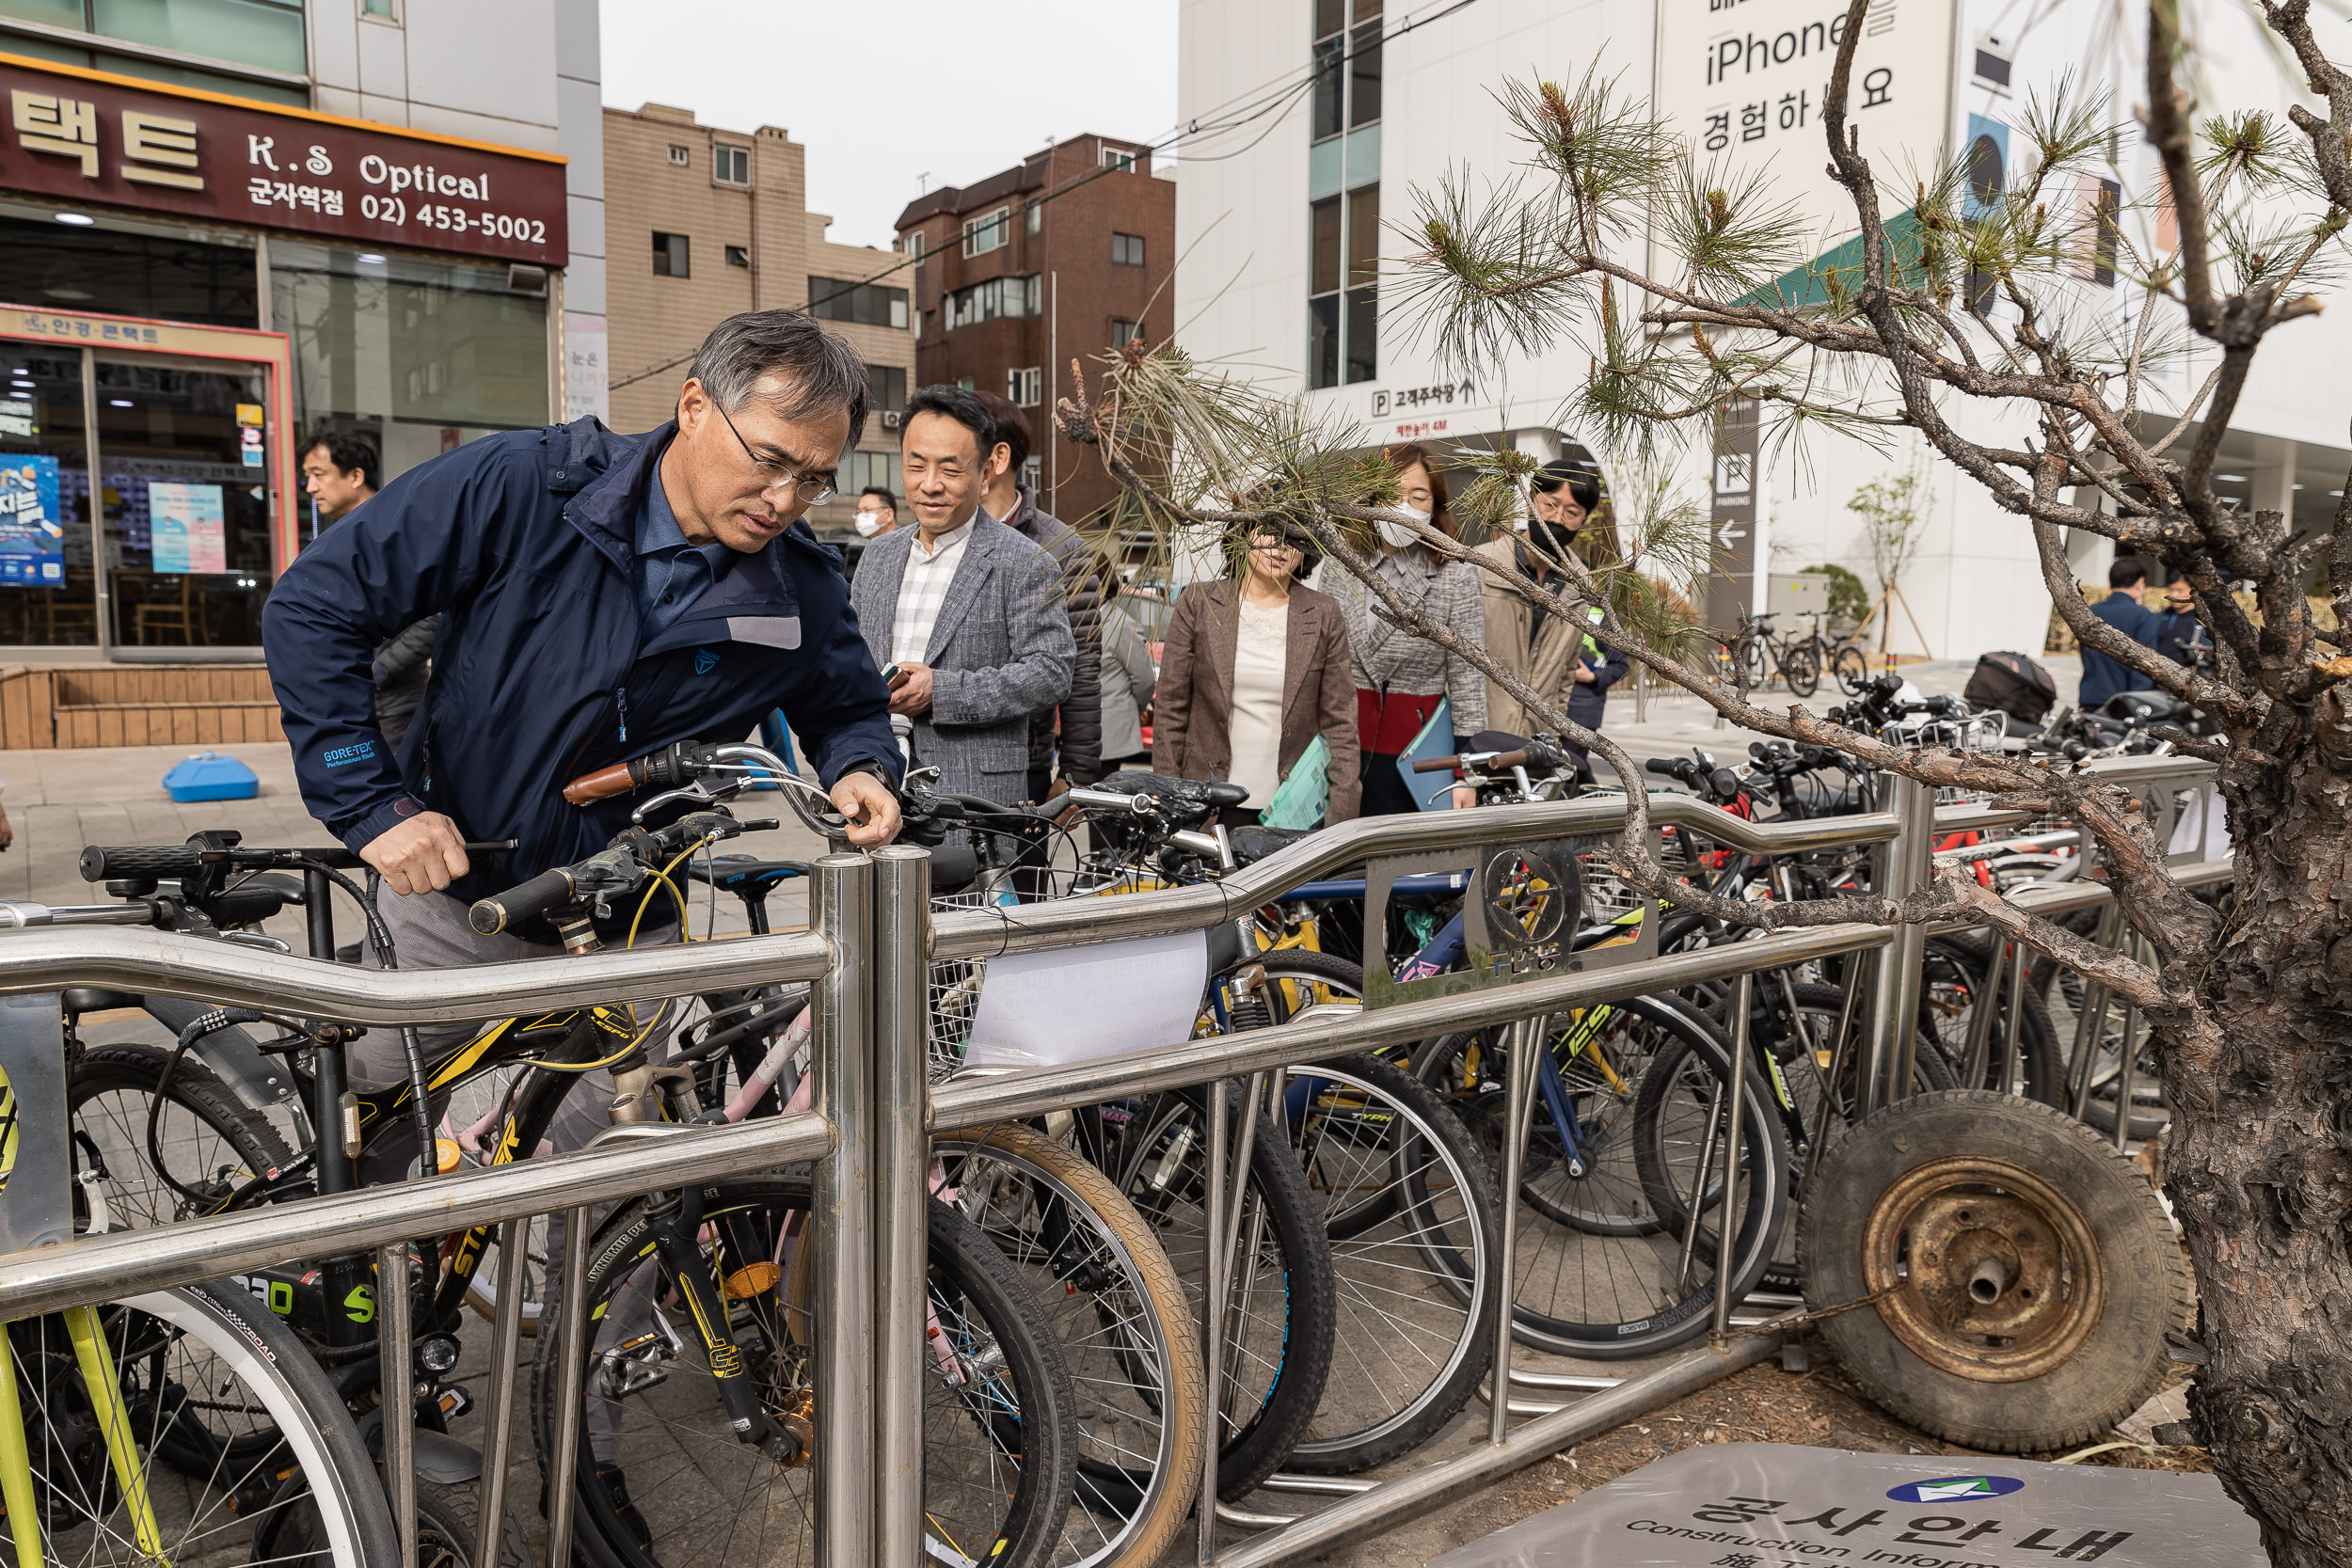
<point x="1758" y="655"/>
<point x="178" y="1424"/>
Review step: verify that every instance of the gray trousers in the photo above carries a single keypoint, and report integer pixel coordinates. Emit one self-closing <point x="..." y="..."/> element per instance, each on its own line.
<point x="429" y="931"/>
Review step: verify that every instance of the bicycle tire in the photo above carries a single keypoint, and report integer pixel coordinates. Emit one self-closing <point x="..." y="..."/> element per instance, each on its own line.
<point x="291" y="1476"/>
<point x="1131" y="1368"/>
<point x="109" y="1091"/>
<point x="1952" y="976"/>
<point x="1851" y="667"/>
<point x="1801" y="667"/>
<point x="1157" y="1166"/>
<point x="1571" y="1277"/>
<point x="1751" y="662"/>
<point x="1406" y="1362"/>
<point x="1040" y="1416"/>
<point x="449" y="1529"/>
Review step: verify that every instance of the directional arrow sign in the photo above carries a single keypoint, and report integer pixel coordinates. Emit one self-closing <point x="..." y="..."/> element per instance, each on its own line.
<point x="1728" y="532"/>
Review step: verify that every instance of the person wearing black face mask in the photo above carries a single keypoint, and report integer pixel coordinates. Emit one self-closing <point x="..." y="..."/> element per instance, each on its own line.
<point x="1559" y="659"/>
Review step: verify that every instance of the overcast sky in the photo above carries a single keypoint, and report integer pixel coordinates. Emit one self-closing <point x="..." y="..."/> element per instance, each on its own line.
<point x="882" y="92"/>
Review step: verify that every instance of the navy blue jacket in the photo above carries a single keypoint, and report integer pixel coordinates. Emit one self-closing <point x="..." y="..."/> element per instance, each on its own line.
<point x="2103" y="677"/>
<point x="525" y="544"/>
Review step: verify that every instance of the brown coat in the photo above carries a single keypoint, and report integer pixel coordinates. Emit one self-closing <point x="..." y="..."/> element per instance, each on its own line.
<point x="1192" y="711"/>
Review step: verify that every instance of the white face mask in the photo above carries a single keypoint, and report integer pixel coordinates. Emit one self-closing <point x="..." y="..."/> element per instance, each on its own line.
<point x="1397" y="534"/>
<point x="868" y="524"/>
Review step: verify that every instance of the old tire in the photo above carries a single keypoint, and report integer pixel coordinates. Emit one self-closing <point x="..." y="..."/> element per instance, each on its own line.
<point x="2032" y="1273"/>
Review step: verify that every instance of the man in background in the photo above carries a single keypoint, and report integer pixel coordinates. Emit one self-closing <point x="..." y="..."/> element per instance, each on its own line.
<point x="963" y="607"/>
<point x="1079" y="587"/>
<point x="877" y="512"/>
<point x="340" y="470"/>
<point x="2103" y="677"/>
<point x="2176" y="624"/>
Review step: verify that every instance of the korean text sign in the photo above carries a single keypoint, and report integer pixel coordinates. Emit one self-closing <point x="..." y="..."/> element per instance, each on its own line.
<point x="91" y="137"/>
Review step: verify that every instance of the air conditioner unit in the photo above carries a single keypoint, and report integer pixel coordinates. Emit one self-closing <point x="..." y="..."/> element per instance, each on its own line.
<point x="890" y="418"/>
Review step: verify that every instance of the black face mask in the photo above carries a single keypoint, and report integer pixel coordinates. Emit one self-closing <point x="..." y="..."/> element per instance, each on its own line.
<point x="1555" y="539"/>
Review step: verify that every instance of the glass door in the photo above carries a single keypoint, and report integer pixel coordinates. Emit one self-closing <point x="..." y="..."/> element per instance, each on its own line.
<point x="48" y="595"/>
<point x="184" y="493"/>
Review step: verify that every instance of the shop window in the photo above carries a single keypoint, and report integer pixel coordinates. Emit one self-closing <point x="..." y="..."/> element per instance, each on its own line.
<point x="427" y="353"/>
<point x="121" y="268"/>
<point x="731" y="165"/>
<point x="670" y="256"/>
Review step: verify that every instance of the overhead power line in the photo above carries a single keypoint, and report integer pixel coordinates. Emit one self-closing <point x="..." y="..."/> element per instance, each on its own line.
<point x="1275" y="98"/>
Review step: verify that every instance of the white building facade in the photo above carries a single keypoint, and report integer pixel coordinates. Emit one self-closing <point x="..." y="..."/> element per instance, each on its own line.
<point x="1283" y="241"/>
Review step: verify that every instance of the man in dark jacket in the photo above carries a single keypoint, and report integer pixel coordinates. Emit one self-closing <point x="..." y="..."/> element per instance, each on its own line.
<point x="601" y="597"/>
<point x="340" y="471"/>
<point x="2103" y="677"/>
<point x="2176" y="628"/>
<point x="1080" y="589"/>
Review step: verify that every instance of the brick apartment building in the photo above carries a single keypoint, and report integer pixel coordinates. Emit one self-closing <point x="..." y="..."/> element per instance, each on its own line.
<point x="1066" y="256"/>
<point x="704" y="222"/>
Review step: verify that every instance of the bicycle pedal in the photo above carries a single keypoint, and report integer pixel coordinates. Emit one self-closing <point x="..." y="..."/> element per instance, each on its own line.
<point x="454" y="1402"/>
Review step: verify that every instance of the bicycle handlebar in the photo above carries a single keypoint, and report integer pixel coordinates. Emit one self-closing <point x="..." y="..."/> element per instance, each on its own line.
<point x="1498" y="761"/>
<point x="527" y="901"/>
<point x="102" y="863"/>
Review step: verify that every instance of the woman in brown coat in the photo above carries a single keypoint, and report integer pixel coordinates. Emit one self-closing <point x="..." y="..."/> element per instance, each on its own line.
<point x="1254" y="669"/>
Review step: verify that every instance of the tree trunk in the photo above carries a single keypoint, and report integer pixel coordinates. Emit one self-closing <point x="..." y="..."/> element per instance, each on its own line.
<point x="2260" y="1159"/>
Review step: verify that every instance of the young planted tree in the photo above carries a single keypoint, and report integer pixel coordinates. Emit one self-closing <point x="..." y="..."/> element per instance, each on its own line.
<point x="1894" y="513"/>
<point x="1964" y="323"/>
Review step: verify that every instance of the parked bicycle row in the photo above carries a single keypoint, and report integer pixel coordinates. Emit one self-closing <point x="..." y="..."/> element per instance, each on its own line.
<point x="1068" y="1409"/>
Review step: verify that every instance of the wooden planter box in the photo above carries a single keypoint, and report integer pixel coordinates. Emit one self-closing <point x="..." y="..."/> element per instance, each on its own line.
<point x="63" y="707"/>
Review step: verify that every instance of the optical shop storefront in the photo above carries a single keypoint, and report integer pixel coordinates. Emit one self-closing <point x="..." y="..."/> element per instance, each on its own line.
<point x="188" y="282"/>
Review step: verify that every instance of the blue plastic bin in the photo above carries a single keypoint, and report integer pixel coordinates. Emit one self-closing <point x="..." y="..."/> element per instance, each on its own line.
<point x="211" y="776"/>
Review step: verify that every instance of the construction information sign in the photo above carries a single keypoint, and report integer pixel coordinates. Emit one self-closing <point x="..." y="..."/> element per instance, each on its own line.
<point x="1770" y="1505"/>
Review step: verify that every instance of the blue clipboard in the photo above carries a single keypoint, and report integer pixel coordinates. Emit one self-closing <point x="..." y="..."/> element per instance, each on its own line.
<point x="1436" y="739"/>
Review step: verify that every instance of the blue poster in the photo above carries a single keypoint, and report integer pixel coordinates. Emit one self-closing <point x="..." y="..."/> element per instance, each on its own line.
<point x="32" y="536"/>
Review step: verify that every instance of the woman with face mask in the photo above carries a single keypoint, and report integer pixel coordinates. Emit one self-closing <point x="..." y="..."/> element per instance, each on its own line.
<point x="1558" y="658"/>
<point x="1401" y="678"/>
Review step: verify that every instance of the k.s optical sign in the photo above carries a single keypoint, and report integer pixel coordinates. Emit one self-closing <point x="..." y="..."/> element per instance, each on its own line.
<point x="86" y="137"/>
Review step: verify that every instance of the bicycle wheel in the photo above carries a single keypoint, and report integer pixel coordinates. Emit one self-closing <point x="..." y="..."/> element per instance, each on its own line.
<point x="1751" y="662"/>
<point x="1602" y="1273"/>
<point x="1801" y="667"/>
<point x="660" y="1473"/>
<point x="1114" y="1300"/>
<point x="477" y="1106"/>
<point x="231" y="1437"/>
<point x="210" y="1142"/>
<point x="1851" y="667"/>
<point x="2068" y="1002"/>
<point x="1951" y="981"/>
<point x="1277" y="1338"/>
<point x="1415" y="1224"/>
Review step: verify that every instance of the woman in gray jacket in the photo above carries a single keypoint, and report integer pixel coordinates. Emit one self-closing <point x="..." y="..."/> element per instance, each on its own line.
<point x="1401" y="678"/>
<point x="1127" y="679"/>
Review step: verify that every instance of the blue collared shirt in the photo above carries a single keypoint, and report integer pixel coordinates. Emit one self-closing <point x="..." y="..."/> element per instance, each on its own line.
<point x="671" y="573"/>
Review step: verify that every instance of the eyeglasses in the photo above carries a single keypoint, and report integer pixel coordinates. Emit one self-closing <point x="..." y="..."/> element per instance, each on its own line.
<point x="811" y="490"/>
<point x="1264" y="548"/>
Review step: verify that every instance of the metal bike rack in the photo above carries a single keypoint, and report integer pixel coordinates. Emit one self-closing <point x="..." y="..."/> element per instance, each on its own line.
<point x="866" y="956"/>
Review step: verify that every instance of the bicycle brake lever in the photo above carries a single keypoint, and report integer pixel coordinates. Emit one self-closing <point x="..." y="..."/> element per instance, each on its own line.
<point x="694" y="792"/>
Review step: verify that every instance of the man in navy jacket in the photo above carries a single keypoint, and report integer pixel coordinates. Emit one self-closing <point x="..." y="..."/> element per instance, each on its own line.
<point x="602" y="596"/>
<point x="2103" y="677"/>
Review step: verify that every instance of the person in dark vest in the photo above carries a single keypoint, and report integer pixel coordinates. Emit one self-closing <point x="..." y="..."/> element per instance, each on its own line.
<point x="340" y="470"/>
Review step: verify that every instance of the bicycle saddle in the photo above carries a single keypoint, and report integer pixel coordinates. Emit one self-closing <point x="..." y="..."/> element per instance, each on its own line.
<point x="1204" y="792"/>
<point x="741" y="873"/>
<point x="1252" y="843"/>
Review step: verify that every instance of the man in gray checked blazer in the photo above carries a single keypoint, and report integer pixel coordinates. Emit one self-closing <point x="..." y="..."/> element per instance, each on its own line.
<point x="966" y="609"/>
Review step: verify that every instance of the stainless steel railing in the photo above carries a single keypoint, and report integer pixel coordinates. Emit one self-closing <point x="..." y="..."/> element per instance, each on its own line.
<point x="865" y="955"/>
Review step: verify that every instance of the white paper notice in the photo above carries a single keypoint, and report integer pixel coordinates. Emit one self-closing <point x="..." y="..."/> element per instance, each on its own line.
<point x="1048" y="1009"/>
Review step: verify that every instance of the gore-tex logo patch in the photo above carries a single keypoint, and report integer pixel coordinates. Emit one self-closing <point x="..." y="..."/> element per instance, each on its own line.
<point x="705" y="660"/>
